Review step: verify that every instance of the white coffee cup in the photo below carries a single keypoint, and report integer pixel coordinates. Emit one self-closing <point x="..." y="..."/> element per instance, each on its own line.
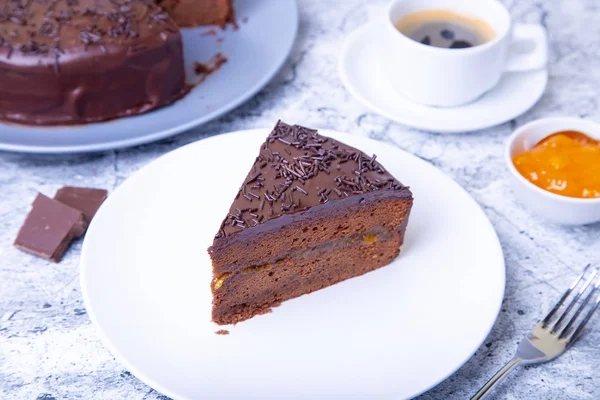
<point x="452" y="77"/>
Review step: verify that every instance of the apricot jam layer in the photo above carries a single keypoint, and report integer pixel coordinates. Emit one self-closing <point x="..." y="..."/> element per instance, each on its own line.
<point x="565" y="163"/>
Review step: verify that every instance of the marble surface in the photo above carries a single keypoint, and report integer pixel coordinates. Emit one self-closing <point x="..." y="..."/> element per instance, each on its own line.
<point x="49" y="349"/>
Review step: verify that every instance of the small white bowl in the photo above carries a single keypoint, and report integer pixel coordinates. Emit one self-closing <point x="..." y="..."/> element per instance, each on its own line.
<point x="554" y="207"/>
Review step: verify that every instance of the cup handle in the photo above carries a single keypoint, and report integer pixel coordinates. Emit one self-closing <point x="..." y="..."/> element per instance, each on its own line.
<point x="529" y="48"/>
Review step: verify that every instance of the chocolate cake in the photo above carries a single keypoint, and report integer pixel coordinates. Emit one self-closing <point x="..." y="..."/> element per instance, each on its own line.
<point x="77" y="61"/>
<point x="311" y="212"/>
<point x="80" y="61"/>
<point x="199" y="12"/>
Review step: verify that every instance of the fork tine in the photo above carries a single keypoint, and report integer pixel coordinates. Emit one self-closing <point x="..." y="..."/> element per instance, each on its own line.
<point x="579" y="310"/>
<point x="585" y="321"/>
<point x="574" y="301"/>
<point x="564" y="296"/>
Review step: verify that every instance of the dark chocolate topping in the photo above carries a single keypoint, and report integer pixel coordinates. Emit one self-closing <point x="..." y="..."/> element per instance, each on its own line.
<point x="297" y="169"/>
<point x="43" y="27"/>
<point x="64" y="28"/>
<point x="74" y="61"/>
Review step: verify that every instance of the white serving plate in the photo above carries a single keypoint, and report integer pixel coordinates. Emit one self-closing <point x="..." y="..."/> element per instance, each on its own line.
<point x="390" y="334"/>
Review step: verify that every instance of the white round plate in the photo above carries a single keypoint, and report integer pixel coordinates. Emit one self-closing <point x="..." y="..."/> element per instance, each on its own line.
<point x="361" y="71"/>
<point x="254" y="55"/>
<point x="389" y="334"/>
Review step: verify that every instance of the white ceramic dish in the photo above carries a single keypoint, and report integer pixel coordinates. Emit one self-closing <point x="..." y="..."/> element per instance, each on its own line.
<point x="362" y="73"/>
<point x="556" y="208"/>
<point x="254" y="55"/>
<point x="390" y="334"/>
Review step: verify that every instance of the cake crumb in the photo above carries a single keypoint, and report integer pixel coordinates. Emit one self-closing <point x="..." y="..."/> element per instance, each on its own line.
<point x="268" y="310"/>
<point x="211" y="66"/>
<point x="210" y="32"/>
<point x="222" y="332"/>
<point x="202" y="70"/>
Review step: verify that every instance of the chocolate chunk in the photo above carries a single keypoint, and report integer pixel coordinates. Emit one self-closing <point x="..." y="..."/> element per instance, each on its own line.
<point x="460" y="44"/>
<point x="49" y="228"/>
<point x="86" y="200"/>
<point x="426" y="40"/>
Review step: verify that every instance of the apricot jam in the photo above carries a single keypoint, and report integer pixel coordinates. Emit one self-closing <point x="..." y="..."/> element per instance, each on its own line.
<point x="218" y="282"/>
<point x="369" y="239"/>
<point x="565" y="163"/>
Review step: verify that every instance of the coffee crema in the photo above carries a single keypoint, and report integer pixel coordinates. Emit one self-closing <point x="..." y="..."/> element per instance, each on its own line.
<point x="445" y="29"/>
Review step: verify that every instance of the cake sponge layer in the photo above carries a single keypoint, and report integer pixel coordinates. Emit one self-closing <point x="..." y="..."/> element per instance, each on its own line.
<point x="256" y="289"/>
<point x="338" y="244"/>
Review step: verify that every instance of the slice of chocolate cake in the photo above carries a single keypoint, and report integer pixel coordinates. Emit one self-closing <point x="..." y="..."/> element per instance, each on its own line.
<point x="311" y="212"/>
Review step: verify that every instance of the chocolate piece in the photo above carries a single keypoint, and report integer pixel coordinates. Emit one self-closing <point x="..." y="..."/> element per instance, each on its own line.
<point x="80" y="61"/>
<point x="86" y="200"/>
<point x="49" y="228"/>
<point x="311" y="212"/>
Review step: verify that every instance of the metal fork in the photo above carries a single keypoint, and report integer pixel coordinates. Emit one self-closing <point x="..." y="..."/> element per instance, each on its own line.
<point x="547" y="341"/>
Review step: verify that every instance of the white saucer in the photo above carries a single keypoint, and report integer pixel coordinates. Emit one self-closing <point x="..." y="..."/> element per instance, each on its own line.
<point x="361" y="72"/>
<point x="390" y="334"/>
<point x="254" y="54"/>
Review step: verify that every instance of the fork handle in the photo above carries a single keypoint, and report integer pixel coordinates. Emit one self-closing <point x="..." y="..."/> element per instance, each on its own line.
<point x="496" y="378"/>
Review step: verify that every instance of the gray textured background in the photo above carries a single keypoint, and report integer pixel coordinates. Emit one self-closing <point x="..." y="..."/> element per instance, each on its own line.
<point x="49" y="349"/>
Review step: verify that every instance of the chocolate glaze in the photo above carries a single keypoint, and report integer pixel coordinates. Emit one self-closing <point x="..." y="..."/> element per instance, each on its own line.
<point x="78" y="61"/>
<point x="298" y="169"/>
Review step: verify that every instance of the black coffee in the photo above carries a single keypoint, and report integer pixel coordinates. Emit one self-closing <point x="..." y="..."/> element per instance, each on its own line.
<point x="445" y="29"/>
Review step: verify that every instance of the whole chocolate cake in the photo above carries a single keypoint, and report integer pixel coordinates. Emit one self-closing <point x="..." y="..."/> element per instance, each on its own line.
<point x="311" y="212"/>
<point x="79" y="61"/>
